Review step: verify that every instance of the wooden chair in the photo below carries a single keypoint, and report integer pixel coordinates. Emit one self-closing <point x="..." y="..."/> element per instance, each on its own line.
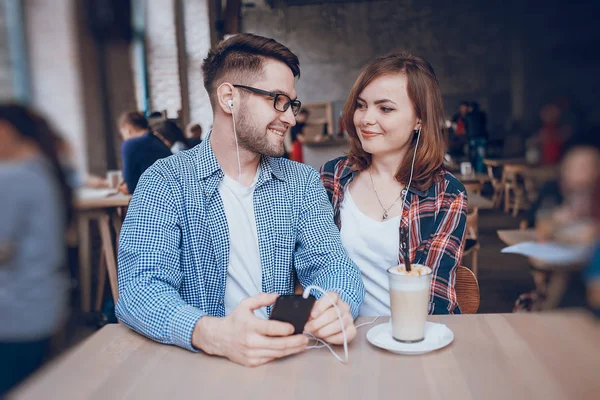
<point x="467" y="290"/>
<point x="514" y="190"/>
<point x="497" y="184"/>
<point x="472" y="240"/>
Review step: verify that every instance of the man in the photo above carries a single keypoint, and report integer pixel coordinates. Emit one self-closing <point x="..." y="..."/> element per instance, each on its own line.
<point x="140" y="148"/>
<point x="193" y="134"/>
<point x="475" y="126"/>
<point x="208" y="242"/>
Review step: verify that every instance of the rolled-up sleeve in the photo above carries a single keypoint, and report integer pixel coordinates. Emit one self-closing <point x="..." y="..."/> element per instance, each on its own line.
<point x="149" y="270"/>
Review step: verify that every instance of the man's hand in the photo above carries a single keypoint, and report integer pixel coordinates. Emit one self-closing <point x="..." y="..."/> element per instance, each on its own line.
<point x="123" y="188"/>
<point x="324" y="322"/>
<point x="246" y="339"/>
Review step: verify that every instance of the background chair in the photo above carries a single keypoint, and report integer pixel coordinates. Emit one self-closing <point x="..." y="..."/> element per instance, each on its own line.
<point x="472" y="244"/>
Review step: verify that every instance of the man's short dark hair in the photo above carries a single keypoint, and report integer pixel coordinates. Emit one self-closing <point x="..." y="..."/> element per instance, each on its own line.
<point x="135" y="119"/>
<point x="240" y="58"/>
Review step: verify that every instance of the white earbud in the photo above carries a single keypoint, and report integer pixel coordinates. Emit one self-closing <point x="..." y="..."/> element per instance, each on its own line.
<point x="237" y="147"/>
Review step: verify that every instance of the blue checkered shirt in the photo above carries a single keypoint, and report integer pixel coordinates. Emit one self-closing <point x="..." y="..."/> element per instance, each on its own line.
<point x="174" y="244"/>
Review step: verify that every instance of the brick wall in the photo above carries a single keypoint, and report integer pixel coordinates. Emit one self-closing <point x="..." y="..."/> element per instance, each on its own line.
<point x="163" y="73"/>
<point x="6" y="90"/>
<point x="52" y="40"/>
<point x="197" y="40"/>
<point x="66" y="65"/>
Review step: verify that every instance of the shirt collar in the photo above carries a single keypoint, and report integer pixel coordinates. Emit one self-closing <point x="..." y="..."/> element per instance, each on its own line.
<point x="208" y="164"/>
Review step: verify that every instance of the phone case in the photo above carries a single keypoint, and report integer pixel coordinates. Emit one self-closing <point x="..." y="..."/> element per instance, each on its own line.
<point x="293" y="309"/>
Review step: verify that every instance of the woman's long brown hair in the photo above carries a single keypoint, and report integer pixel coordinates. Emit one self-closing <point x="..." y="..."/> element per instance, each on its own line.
<point x="424" y="93"/>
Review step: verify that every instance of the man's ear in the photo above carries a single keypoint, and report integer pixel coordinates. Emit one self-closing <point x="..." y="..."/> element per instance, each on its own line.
<point x="225" y="96"/>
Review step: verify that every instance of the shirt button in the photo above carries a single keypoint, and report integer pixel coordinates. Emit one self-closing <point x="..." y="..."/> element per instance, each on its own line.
<point x="220" y="301"/>
<point x="207" y="195"/>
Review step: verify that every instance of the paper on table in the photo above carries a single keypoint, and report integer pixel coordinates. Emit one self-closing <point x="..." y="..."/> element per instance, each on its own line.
<point x="551" y="252"/>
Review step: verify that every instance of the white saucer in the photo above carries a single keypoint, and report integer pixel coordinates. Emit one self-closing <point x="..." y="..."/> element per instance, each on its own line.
<point x="437" y="336"/>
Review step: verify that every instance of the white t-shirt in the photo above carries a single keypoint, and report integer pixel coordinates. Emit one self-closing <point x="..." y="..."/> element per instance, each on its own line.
<point x="244" y="274"/>
<point x="373" y="246"/>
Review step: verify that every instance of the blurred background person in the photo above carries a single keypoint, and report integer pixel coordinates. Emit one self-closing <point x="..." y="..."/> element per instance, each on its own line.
<point x="170" y="134"/>
<point x="552" y="136"/>
<point x="297" y="136"/>
<point x="476" y="129"/>
<point x="566" y="211"/>
<point x="193" y="134"/>
<point x="140" y="149"/>
<point x="132" y="124"/>
<point x="592" y="273"/>
<point x="34" y="215"/>
<point x="458" y="140"/>
<point x="572" y="221"/>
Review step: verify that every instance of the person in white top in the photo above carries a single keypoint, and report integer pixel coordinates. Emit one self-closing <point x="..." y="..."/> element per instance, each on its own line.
<point x="394" y="180"/>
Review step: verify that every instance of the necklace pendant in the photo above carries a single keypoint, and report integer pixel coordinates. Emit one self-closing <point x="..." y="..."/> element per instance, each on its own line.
<point x="385" y="215"/>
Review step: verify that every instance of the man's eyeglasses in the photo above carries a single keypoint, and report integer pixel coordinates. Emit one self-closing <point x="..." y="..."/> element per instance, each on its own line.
<point x="281" y="102"/>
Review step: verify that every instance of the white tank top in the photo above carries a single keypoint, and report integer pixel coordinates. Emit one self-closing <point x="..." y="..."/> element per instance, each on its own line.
<point x="373" y="246"/>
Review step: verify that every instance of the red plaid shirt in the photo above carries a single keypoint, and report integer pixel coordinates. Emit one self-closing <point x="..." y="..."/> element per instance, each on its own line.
<point x="437" y="226"/>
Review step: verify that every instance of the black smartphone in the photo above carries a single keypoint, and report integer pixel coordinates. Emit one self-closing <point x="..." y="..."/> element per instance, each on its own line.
<point x="293" y="309"/>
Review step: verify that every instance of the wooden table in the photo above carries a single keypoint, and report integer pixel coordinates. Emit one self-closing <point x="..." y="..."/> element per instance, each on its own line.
<point x="499" y="162"/>
<point x="515" y="236"/>
<point x="88" y="199"/>
<point x="550" y="280"/>
<point x="100" y="205"/>
<point x="493" y="356"/>
<point x="476" y="177"/>
<point x="498" y="184"/>
<point x="478" y="201"/>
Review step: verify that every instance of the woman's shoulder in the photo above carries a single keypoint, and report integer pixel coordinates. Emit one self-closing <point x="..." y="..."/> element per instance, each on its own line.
<point x="452" y="186"/>
<point x="331" y="166"/>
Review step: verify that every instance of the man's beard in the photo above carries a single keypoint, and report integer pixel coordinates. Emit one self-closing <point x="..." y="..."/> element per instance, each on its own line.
<point x="253" y="139"/>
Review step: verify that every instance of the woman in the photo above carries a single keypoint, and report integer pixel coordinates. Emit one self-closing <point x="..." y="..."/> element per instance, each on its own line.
<point x="170" y="134"/>
<point x="34" y="214"/>
<point x="394" y="119"/>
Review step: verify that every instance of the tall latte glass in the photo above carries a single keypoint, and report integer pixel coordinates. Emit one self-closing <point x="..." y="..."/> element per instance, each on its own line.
<point x="409" y="300"/>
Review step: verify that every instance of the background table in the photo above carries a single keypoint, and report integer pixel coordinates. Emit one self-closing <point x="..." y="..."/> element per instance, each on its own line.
<point x="551" y="280"/>
<point x="478" y="201"/>
<point x="479" y="177"/>
<point x="515" y="236"/>
<point x="100" y="205"/>
<point x="493" y="356"/>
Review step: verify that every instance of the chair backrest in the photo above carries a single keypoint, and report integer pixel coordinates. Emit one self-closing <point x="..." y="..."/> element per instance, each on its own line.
<point x="472" y="231"/>
<point x="467" y="290"/>
<point x="512" y="171"/>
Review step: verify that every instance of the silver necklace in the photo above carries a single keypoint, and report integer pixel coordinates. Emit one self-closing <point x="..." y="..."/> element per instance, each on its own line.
<point x="385" y="210"/>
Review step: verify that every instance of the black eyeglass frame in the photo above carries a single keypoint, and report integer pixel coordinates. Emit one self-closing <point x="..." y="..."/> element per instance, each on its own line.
<point x="295" y="104"/>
